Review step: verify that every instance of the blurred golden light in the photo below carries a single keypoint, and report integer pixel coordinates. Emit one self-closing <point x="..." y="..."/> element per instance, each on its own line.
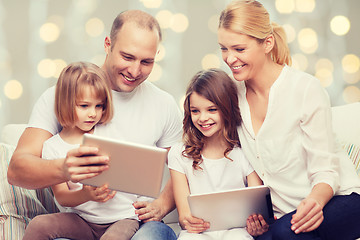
<point x="161" y="53"/>
<point x="164" y="18"/>
<point x="308" y="41"/>
<point x="351" y="94"/>
<point x="340" y="25"/>
<point x="305" y="5"/>
<point x="290" y="32"/>
<point x="151" y="3"/>
<point x="179" y="23"/>
<point x="49" y="32"/>
<point x="350" y="63"/>
<point x="351" y="78"/>
<point x="46" y="68"/>
<point x="156" y="73"/>
<point x="324" y="63"/>
<point x="213" y="23"/>
<point x="285" y="6"/>
<point x="13" y="89"/>
<point x="300" y="61"/>
<point x="210" y="61"/>
<point x="59" y="66"/>
<point x="57" y="20"/>
<point x="325" y="76"/>
<point x="94" y="27"/>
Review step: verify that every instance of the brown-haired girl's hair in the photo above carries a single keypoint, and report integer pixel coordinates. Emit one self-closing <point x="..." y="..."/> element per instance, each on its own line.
<point x="249" y="17"/>
<point x="70" y="87"/>
<point x="216" y="86"/>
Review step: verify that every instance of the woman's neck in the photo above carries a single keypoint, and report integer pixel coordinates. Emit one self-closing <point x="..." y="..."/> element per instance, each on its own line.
<point x="262" y="82"/>
<point x="73" y="135"/>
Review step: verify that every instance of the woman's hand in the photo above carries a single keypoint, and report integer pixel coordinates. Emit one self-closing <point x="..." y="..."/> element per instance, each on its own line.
<point x="98" y="194"/>
<point x="256" y="225"/>
<point x="193" y="224"/>
<point x="308" y="216"/>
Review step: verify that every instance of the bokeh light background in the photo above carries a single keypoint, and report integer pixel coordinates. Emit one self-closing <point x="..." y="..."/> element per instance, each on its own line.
<point x="40" y="37"/>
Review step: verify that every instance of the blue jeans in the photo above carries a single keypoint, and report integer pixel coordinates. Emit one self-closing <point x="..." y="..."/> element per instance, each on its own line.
<point x="341" y="221"/>
<point x="154" y="231"/>
<point x="151" y="231"/>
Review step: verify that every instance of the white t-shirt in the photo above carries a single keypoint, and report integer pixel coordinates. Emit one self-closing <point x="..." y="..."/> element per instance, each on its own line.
<point x="147" y="115"/>
<point x="117" y="208"/>
<point x="295" y="149"/>
<point x="217" y="174"/>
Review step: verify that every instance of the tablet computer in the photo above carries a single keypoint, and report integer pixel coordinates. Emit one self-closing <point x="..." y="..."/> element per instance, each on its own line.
<point x="133" y="168"/>
<point x="230" y="209"/>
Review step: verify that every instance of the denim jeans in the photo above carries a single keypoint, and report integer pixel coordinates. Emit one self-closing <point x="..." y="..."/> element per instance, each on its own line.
<point x="150" y="231"/>
<point x="154" y="231"/>
<point x="341" y="221"/>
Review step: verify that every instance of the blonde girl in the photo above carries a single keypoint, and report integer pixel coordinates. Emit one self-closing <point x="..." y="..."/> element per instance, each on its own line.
<point x="82" y="100"/>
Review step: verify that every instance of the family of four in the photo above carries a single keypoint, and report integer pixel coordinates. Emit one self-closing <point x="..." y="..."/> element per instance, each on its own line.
<point x="270" y="126"/>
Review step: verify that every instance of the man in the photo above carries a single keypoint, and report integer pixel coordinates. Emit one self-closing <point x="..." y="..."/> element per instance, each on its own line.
<point x="142" y="113"/>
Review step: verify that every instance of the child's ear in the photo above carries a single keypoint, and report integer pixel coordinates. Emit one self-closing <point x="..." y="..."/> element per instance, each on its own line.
<point x="107" y="45"/>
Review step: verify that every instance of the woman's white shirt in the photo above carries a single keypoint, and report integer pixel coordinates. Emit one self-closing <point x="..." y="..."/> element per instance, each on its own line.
<point x="295" y="149"/>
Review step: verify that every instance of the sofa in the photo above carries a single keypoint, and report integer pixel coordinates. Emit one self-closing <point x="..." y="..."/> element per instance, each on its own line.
<point x="18" y="205"/>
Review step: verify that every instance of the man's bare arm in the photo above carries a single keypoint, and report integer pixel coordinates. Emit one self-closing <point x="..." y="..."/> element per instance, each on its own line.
<point x="27" y="169"/>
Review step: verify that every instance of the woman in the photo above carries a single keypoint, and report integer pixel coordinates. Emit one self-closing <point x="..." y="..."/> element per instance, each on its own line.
<point x="287" y="133"/>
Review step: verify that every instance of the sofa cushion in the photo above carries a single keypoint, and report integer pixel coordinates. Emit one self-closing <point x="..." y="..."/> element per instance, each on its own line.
<point x="18" y="205"/>
<point x="354" y="154"/>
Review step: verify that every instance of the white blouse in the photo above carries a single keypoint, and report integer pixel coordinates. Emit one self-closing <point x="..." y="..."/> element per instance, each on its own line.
<point x="295" y="149"/>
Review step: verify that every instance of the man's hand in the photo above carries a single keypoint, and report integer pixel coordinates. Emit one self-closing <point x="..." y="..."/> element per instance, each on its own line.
<point x="82" y="163"/>
<point x="149" y="211"/>
<point x="256" y="225"/>
<point x="193" y="224"/>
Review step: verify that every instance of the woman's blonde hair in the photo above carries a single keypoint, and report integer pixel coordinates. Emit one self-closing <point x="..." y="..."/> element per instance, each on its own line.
<point x="249" y="17"/>
<point x="70" y="86"/>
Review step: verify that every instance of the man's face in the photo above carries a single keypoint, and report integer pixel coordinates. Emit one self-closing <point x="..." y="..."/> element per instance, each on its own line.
<point x="130" y="58"/>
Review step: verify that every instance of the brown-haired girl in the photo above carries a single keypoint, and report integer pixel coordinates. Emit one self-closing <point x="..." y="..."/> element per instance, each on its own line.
<point x="210" y="158"/>
<point x="287" y="132"/>
<point x="82" y="100"/>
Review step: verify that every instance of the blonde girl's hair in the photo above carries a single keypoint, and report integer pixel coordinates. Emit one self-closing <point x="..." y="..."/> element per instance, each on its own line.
<point x="249" y="17"/>
<point x="70" y="87"/>
<point x="216" y="86"/>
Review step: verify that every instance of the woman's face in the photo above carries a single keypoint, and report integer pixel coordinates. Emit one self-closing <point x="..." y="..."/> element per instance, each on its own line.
<point x="243" y="54"/>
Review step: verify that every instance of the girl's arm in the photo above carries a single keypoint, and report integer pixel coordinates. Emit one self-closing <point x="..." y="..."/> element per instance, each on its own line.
<point x="253" y="179"/>
<point x="255" y="224"/>
<point x="181" y="192"/>
<point x="69" y="198"/>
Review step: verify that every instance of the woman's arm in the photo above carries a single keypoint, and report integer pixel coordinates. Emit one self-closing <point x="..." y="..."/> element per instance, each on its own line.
<point x="181" y="192"/>
<point x="309" y="214"/>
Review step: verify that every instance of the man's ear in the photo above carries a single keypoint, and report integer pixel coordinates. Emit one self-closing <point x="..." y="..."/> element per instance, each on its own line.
<point x="269" y="43"/>
<point x="107" y="45"/>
